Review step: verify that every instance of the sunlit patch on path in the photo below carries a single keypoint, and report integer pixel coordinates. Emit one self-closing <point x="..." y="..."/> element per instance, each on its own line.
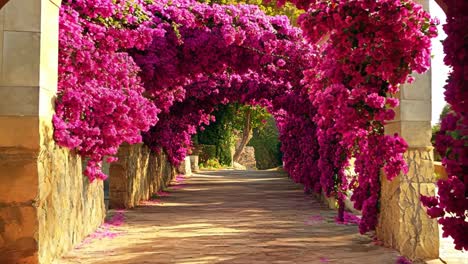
<point x="233" y="217"/>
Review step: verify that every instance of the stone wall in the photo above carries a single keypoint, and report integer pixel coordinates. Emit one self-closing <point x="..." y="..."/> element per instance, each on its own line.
<point x="247" y="157"/>
<point x="404" y="224"/>
<point x="18" y="213"/>
<point x="69" y="207"/>
<point x="137" y="175"/>
<point x="46" y="205"/>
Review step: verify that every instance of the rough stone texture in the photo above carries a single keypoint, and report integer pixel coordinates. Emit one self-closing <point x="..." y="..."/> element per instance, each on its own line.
<point x="403" y="222"/>
<point x="244" y="217"/>
<point x="247" y="158"/>
<point x="238" y="166"/>
<point x="46" y="205"/>
<point x="194" y="163"/>
<point x="185" y="167"/>
<point x="137" y="175"/>
<point x="69" y="207"/>
<point x="18" y="215"/>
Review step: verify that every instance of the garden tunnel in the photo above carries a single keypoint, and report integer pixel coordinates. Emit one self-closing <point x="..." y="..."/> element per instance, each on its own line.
<point x="329" y="96"/>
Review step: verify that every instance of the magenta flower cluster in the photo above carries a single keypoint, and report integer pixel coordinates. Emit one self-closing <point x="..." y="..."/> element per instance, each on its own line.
<point x="134" y="70"/>
<point x="365" y="50"/>
<point x="100" y="101"/>
<point x="451" y="203"/>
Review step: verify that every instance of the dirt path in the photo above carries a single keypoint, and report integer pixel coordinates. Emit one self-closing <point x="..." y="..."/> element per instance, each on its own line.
<point x="230" y="217"/>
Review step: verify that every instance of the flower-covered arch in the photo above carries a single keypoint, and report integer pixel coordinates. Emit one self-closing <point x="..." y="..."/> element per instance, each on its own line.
<point x="133" y="71"/>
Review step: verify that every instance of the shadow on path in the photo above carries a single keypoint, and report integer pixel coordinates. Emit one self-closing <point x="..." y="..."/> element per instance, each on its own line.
<point x="233" y="217"/>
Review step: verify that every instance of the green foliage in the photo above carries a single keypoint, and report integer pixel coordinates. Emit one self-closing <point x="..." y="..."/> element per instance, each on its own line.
<point x="205" y="152"/>
<point x="230" y="122"/>
<point x="211" y="164"/>
<point x="267" y="145"/>
<point x="230" y="119"/>
<point x="270" y="8"/>
<point x="258" y="116"/>
<point x="220" y="134"/>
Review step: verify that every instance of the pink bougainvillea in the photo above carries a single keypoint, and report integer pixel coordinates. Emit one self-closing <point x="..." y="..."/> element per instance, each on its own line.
<point x="365" y="50"/>
<point x="100" y="101"/>
<point x="451" y="203"/>
<point x="155" y="71"/>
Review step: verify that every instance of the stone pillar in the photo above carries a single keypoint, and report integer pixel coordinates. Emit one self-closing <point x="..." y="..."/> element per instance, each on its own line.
<point x="404" y="224"/>
<point x="194" y="163"/>
<point x="46" y="206"/>
<point x="185" y="167"/>
<point x="28" y="81"/>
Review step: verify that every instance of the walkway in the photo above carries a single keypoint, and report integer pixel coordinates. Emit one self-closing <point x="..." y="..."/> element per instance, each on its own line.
<point x="231" y="217"/>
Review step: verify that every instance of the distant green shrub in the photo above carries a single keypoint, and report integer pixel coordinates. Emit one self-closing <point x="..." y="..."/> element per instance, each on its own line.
<point x="267" y="145"/>
<point x="211" y="164"/>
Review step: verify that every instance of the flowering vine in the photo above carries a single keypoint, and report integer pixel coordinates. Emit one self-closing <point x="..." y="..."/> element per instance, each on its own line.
<point x="100" y="101"/>
<point x="450" y="205"/>
<point x="366" y="49"/>
<point x="134" y="70"/>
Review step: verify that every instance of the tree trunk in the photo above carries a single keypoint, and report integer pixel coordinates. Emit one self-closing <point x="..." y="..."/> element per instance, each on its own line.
<point x="246" y="136"/>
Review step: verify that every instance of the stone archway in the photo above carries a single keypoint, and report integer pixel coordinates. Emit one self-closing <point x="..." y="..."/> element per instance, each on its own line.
<point x="32" y="167"/>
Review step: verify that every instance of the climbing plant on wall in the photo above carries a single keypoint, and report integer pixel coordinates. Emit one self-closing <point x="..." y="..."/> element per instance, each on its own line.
<point x="450" y="205"/>
<point x="133" y="70"/>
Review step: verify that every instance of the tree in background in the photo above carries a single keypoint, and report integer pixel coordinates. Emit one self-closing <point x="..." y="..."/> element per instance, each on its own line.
<point x="271" y="8"/>
<point x="267" y="145"/>
<point x="247" y="118"/>
<point x="233" y="128"/>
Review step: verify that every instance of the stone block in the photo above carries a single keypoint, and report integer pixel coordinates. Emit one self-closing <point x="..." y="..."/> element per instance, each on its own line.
<point x="413" y="110"/>
<point x="137" y="176"/>
<point x="23" y="15"/>
<point x="420" y="165"/>
<point x="185" y="167"/>
<point x="18" y="176"/>
<point x="419" y="237"/>
<point x="19" y="101"/>
<point x="403" y="222"/>
<point x="69" y="207"/>
<point x="416" y="133"/>
<point x="18" y="131"/>
<point x="194" y="163"/>
<point x="46" y="205"/>
<point x="18" y="240"/>
<point x="420" y="89"/>
<point x="21" y="60"/>
<point x="49" y="46"/>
